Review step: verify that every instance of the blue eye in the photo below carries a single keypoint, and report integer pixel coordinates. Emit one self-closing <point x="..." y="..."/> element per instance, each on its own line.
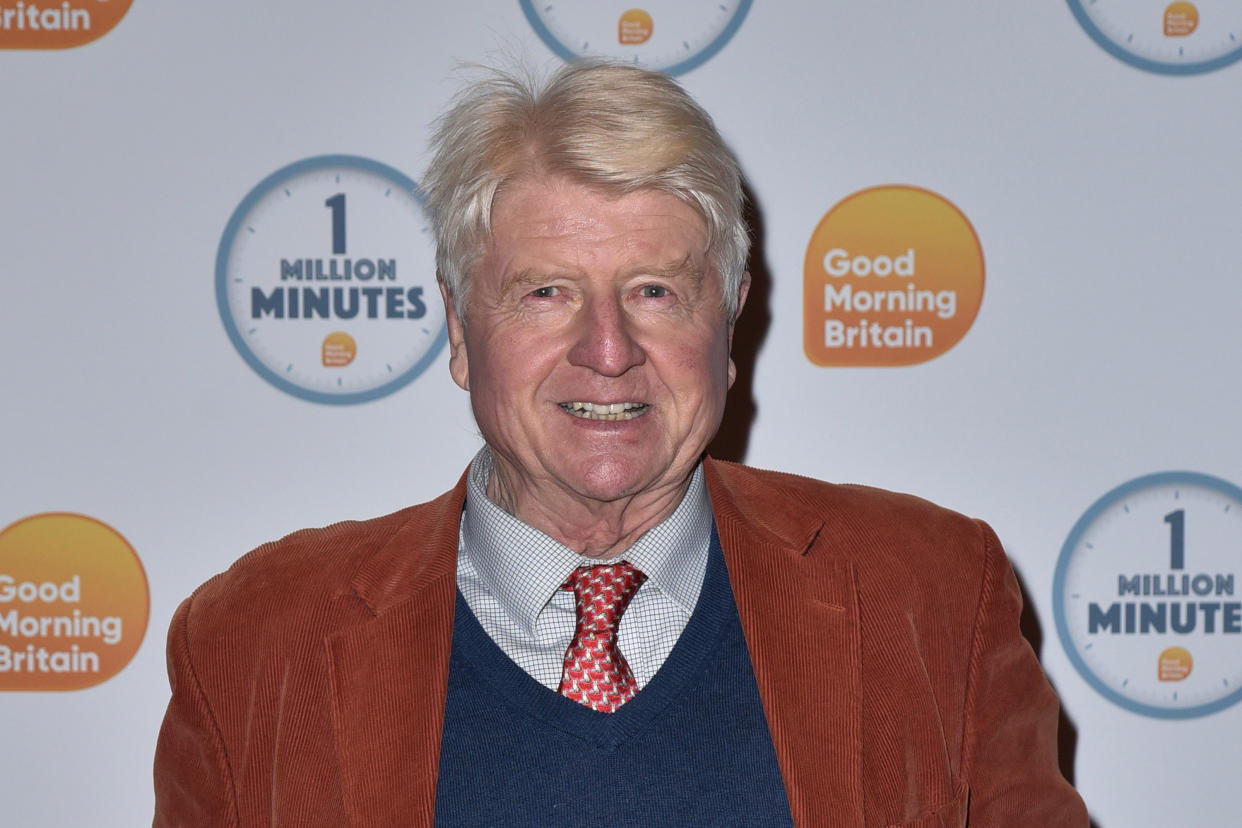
<point x="543" y="292"/>
<point x="653" y="291"/>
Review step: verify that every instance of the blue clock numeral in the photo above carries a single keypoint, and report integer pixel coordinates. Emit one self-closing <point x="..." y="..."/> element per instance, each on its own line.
<point x="1177" y="538"/>
<point x="337" y="203"/>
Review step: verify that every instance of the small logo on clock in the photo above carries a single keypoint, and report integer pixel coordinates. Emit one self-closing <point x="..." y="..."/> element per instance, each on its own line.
<point x="325" y="280"/>
<point x="634" y="27"/>
<point x="671" y="36"/>
<point x="893" y="276"/>
<point x="1175" y="664"/>
<point x="1180" y="19"/>
<point x="339" y="349"/>
<point x="1146" y="596"/>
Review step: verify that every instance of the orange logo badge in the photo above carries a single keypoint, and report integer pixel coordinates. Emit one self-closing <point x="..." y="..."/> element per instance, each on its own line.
<point x="73" y="603"/>
<point x="339" y="349"/>
<point x="1175" y="664"/>
<point x="893" y="276"/>
<point x="58" y="24"/>
<point x="1180" y="19"/>
<point x="634" y="27"/>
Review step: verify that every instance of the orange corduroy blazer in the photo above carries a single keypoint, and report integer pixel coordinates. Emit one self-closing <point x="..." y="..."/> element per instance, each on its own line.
<point x="309" y="679"/>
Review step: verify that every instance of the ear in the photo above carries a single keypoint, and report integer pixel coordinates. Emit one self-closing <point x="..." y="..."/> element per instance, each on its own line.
<point x="459" y="363"/>
<point x="743" y="289"/>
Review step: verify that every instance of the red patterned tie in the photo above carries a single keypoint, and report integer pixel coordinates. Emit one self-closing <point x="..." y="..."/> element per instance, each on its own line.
<point x="595" y="672"/>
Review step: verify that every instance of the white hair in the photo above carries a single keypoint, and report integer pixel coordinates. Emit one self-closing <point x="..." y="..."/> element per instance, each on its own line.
<point x="611" y="127"/>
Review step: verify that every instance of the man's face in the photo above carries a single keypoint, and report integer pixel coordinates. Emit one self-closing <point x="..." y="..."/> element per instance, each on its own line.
<point x="595" y="347"/>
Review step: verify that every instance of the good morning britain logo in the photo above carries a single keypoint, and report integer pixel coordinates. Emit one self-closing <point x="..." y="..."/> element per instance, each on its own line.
<point x="893" y="276"/>
<point x="325" y="280"/>
<point x="57" y="24"/>
<point x="74" y="603"/>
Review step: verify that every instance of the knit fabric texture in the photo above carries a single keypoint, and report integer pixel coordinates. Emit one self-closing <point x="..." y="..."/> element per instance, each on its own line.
<point x="690" y="749"/>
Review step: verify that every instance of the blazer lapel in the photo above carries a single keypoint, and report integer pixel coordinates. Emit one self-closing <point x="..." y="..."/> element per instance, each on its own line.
<point x="799" y="611"/>
<point x="389" y="675"/>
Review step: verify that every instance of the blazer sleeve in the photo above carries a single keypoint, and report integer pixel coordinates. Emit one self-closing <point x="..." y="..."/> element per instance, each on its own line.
<point x="193" y="780"/>
<point x="1011" y="719"/>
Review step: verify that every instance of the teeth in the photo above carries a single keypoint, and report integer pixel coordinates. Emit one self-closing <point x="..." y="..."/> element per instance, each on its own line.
<point x="605" y="411"/>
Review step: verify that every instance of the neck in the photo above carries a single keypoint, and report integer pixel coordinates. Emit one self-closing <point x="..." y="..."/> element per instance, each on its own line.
<point x="592" y="528"/>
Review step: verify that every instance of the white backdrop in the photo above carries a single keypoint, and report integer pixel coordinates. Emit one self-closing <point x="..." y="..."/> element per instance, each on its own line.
<point x="1105" y="198"/>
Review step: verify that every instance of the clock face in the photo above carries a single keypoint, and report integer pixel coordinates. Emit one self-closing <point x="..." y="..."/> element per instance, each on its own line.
<point x="1146" y="595"/>
<point x="325" y="280"/>
<point x="1169" y="37"/>
<point x="670" y="36"/>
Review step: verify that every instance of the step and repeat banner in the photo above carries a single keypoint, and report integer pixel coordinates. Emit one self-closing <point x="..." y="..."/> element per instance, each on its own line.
<point x="997" y="264"/>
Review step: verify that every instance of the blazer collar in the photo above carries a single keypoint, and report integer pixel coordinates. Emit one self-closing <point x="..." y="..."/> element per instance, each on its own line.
<point x="798" y="602"/>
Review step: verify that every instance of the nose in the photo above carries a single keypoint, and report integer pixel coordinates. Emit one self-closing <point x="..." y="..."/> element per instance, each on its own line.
<point x="604" y="340"/>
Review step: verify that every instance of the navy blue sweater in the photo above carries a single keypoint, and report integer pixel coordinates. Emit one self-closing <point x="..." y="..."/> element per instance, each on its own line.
<point x="691" y="749"/>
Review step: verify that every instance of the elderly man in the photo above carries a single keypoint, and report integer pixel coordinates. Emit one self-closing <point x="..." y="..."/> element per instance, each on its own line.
<point x="597" y="625"/>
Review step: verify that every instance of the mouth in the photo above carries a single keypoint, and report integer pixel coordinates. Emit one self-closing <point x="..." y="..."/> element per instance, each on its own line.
<point x="606" y="411"/>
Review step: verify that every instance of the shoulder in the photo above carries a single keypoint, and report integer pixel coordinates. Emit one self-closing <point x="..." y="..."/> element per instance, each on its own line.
<point x="904" y="551"/>
<point x="883" y="519"/>
<point x="305" y="563"/>
<point x="314" y="580"/>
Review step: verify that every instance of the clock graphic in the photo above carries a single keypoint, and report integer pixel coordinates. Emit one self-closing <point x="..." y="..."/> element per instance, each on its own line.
<point x="1176" y="38"/>
<point x="671" y="36"/>
<point x="325" y="280"/>
<point x="1146" y="597"/>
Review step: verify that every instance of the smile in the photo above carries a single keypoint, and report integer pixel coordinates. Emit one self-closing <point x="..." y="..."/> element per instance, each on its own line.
<point x="606" y="411"/>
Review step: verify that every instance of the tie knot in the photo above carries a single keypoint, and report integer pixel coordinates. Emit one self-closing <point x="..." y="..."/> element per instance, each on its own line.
<point x="603" y="591"/>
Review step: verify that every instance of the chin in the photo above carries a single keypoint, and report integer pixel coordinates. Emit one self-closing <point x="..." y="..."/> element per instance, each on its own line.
<point x="613" y="477"/>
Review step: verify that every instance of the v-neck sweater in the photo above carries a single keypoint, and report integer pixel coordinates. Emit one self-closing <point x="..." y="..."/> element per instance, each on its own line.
<point x="692" y="748"/>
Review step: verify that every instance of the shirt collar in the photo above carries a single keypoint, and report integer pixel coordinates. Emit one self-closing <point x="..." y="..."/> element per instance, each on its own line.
<point x="522" y="567"/>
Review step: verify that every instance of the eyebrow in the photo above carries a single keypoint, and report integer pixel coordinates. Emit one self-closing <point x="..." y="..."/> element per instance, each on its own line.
<point x="529" y="276"/>
<point x="682" y="268"/>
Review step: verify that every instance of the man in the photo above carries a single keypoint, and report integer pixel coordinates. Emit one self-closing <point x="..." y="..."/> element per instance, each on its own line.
<point x="597" y="625"/>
